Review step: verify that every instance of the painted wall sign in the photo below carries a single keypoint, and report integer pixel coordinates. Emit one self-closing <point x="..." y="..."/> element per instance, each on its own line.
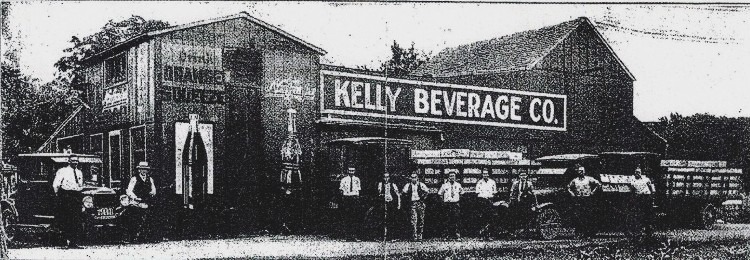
<point x="375" y="97"/>
<point x="192" y="64"/>
<point x="181" y="130"/>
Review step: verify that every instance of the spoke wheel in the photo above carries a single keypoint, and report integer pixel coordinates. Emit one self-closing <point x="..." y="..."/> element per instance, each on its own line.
<point x="9" y="220"/>
<point x="707" y="217"/>
<point x="549" y="223"/>
<point x="373" y="223"/>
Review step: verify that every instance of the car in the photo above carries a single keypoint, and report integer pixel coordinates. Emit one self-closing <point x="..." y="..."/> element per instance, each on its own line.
<point x="34" y="202"/>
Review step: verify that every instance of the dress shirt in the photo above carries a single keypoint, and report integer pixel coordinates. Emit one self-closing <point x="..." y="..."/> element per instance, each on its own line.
<point x="642" y="185"/>
<point x="350" y="186"/>
<point x="486" y="189"/>
<point x="415" y="190"/>
<point x="68" y="178"/>
<point x="450" y="192"/>
<point x="388" y="188"/>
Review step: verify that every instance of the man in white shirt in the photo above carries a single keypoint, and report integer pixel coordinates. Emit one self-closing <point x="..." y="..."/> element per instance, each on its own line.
<point x="451" y="193"/>
<point x="486" y="190"/>
<point x="390" y="197"/>
<point x="67" y="185"/>
<point x="643" y="189"/>
<point x="350" y="187"/>
<point x="415" y="192"/>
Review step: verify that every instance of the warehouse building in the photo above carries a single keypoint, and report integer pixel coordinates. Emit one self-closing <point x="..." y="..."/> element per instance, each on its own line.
<point x="268" y="109"/>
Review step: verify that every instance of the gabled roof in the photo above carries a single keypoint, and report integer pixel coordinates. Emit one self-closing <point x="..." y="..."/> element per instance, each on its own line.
<point x="519" y="51"/>
<point x="242" y="15"/>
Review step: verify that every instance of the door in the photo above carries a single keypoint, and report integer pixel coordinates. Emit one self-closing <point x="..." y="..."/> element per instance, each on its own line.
<point x="114" y="160"/>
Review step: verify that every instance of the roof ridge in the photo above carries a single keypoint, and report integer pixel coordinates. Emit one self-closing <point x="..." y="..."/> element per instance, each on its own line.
<point x="241" y="14"/>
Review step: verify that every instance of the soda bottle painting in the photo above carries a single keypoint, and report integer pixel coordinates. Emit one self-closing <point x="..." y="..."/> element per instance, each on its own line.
<point x="194" y="167"/>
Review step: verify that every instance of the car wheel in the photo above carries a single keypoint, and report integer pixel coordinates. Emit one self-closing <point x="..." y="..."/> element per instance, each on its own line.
<point x="9" y="221"/>
<point x="549" y="223"/>
<point x="707" y="217"/>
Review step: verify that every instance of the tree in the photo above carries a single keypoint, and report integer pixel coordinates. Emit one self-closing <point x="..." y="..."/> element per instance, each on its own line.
<point x="111" y="33"/>
<point x="403" y="61"/>
<point x="31" y="110"/>
<point x="708" y="137"/>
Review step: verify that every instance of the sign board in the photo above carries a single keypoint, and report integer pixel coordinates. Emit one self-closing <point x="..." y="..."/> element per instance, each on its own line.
<point x="115" y="98"/>
<point x="380" y="97"/>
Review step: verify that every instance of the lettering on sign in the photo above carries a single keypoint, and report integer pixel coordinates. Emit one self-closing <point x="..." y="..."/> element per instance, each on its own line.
<point x="114" y="98"/>
<point x="377" y="97"/>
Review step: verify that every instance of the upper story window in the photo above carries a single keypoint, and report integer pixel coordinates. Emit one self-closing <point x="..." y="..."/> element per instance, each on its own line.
<point x="116" y="69"/>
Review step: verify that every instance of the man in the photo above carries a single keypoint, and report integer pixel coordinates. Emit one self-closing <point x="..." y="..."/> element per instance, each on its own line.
<point x="521" y="200"/>
<point x="415" y="193"/>
<point x="486" y="190"/>
<point x="350" y="187"/>
<point x="581" y="189"/>
<point x="141" y="189"/>
<point x="67" y="185"/>
<point x="451" y="193"/>
<point x="390" y="196"/>
<point x="643" y="188"/>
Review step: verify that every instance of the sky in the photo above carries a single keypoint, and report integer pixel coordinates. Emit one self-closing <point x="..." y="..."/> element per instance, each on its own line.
<point x="686" y="59"/>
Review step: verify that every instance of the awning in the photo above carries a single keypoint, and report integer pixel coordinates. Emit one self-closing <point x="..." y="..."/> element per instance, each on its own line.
<point x="370" y="140"/>
<point x="63" y="157"/>
<point x="551" y="171"/>
<point x="566" y="157"/>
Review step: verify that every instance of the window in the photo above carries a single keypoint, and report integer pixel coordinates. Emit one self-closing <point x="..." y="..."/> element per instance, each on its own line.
<point x="137" y="146"/>
<point x="116" y="69"/>
<point x="95" y="144"/>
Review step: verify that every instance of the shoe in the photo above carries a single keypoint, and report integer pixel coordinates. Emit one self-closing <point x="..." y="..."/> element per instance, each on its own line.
<point x="74" y="246"/>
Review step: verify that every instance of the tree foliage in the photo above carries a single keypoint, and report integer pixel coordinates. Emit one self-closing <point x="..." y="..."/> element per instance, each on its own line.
<point x="403" y="61"/>
<point x="112" y="32"/>
<point x="708" y="137"/>
<point x="31" y="111"/>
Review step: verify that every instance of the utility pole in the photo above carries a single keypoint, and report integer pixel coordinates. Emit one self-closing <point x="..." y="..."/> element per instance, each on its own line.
<point x="3" y="235"/>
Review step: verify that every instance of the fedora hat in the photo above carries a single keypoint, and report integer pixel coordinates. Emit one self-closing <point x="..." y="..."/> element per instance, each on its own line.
<point x="143" y="165"/>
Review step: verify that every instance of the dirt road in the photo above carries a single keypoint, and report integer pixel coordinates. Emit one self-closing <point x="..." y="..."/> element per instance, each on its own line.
<point x="323" y="247"/>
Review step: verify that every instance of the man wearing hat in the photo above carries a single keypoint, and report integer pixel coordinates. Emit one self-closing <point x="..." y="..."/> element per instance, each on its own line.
<point x="140" y="189"/>
<point x="67" y="186"/>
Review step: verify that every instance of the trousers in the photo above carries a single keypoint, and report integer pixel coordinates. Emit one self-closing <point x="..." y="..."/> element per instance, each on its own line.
<point x="416" y="211"/>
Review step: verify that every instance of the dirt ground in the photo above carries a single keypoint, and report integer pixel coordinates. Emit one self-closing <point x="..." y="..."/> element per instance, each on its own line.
<point x="730" y="241"/>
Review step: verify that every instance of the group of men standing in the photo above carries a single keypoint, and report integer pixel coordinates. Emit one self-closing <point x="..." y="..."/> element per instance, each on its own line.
<point x="68" y="184"/>
<point x="521" y="202"/>
<point x="413" y="196"/>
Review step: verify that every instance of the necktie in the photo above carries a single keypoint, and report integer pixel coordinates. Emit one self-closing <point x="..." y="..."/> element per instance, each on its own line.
<point x="351" y="184"/>
<point x="78" y="178"/>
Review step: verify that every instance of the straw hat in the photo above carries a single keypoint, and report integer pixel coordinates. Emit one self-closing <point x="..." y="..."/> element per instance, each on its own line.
<point x="143" y="165"/>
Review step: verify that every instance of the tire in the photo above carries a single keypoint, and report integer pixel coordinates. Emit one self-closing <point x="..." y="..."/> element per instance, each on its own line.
<point x="10" y="220"/>
<point x="373" y="224"/>
<point x="707" y="217"/>
<point x="548" y="223"/>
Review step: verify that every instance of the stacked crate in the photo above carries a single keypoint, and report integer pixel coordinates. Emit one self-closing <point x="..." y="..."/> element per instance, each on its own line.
<point x="701" y="178"/>
<point x="503" y="166"/>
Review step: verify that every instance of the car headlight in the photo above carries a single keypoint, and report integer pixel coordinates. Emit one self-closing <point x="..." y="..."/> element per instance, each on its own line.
<point x="124" y="200"/>
<point x="88" y="202"/>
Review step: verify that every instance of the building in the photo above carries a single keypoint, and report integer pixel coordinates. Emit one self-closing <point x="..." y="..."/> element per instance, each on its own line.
<point x="268" y="108"/>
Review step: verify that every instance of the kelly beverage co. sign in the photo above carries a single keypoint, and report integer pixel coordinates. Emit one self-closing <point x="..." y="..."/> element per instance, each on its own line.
<point x="379" y="97"/>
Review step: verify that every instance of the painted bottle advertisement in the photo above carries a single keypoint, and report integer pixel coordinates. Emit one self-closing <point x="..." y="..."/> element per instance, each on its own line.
<point x="194" y="167"/>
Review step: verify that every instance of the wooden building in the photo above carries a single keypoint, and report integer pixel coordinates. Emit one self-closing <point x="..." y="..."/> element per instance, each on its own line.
<point x="264" y="99"/>
<point x="236" y="73"/>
